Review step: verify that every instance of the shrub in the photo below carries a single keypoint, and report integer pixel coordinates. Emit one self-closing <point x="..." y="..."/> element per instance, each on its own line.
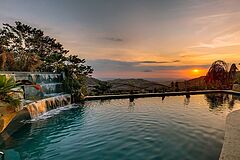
<point x="6" y="86"/>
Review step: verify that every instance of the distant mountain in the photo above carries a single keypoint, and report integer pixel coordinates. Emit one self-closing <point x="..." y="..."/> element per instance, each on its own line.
<point x="130" y="85"/>
<point x="136" y="85"/>
<point x="151" y="85"/>
<point x="193" y="84"/>
<point x="92" y="81"/>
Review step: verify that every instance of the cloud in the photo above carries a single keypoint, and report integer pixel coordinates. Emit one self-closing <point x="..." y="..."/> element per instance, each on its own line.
<point x="152" y="62"/>
<point x="147" y="70"/>
<point x="158" y="62"/>
<point x="124" y="66"/>
<point x="225" y="40"/>
<point x="176" y="61"/>
<point x="219" y="30"/>
<point x="114" y="39"/>
<point x="214" y="16"/>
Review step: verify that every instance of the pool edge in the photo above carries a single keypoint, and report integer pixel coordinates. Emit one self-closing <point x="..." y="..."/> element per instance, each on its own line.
<point x="142" y="95"/>
<point x="231" y="144"/>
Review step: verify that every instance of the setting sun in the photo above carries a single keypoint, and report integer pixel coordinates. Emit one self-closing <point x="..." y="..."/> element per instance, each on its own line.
<point x="196" y="71"/>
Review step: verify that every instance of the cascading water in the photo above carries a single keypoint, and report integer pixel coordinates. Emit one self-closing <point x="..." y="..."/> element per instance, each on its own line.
<point x="38" y="108"/>
<point x="50" y="96"/>
<point x="36" y="102"/>
<point x="51" y="86"/>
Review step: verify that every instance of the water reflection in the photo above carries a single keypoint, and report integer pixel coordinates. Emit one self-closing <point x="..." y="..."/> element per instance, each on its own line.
<point x="187" y="100"/>
<point x="163" y="97"/>
<point x="218" y="101"/>
<point x="106" y="101"/>
<point x="131" y="99"/>
<point x="131" y="104"/>
<point x="91" y="132"/>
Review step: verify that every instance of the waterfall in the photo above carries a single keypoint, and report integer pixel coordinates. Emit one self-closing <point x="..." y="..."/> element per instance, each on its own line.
<point x="42" y="106"/>
<point x="51" y="84"/>
<point x="51" y="95"/>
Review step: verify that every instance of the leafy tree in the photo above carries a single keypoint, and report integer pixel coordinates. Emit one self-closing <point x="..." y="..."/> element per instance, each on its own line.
<point x="102" y="88"/>
<point x="76" y="72"/>
<point x="30" y="47"/>
<point x="74" y="65"/>
<point x="217" y="75"/>
<point x="6" y="60"/>
<point x="24" y="48"/>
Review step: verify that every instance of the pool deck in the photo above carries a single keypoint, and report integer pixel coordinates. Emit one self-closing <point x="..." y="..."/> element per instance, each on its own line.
<point x="142" y="95"/>
<point x="231" y="144"/>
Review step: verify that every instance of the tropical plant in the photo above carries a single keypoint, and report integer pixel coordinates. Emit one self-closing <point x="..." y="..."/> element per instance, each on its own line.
<point x="6" y="86"/>
<point x="232" y="74"/>
<point x="217" y="75"/>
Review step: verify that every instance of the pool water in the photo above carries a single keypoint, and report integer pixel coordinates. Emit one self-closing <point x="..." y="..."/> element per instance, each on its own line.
<point x="170" y="128"/>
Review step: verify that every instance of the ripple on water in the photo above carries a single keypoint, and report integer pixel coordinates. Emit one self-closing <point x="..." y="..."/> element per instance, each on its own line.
<point x="149" y="128"/>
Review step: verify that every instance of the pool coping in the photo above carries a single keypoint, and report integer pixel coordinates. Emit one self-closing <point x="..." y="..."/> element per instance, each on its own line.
<point x="231" y="144"/>
<point x="142" y="95"/>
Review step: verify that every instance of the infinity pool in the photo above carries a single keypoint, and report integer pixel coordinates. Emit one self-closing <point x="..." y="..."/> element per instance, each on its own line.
<point x="170" y="128"/>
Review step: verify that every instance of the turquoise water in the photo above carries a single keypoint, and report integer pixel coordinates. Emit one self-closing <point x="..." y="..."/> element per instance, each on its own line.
<point x="176" y="128"/>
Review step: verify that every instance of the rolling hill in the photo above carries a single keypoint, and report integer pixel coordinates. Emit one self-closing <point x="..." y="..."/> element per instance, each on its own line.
<point x="130" y="85"/>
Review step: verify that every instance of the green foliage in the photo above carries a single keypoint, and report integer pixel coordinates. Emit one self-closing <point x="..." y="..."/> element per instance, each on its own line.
<point x="72" y="65"/>
<point x="17" y="43"/>
<point x="6" y="86"/>
<point x="217" y="72"/>
<point x="218" y="75"/>
<point x="102" y="88"/>
<point x="24" y="48"/>
<point x="237" y="79"/>
<point x="31" y="47"/>
<point x="76" y="74"/>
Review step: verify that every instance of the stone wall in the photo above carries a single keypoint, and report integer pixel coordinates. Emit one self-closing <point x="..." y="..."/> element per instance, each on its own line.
<point x="7" y="112"/>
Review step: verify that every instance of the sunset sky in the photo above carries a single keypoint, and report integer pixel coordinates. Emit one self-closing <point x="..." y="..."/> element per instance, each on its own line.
<point x="137" y="38"/>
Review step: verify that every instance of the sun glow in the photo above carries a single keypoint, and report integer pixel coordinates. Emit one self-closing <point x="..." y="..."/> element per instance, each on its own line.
<point x="196" y="71"/>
